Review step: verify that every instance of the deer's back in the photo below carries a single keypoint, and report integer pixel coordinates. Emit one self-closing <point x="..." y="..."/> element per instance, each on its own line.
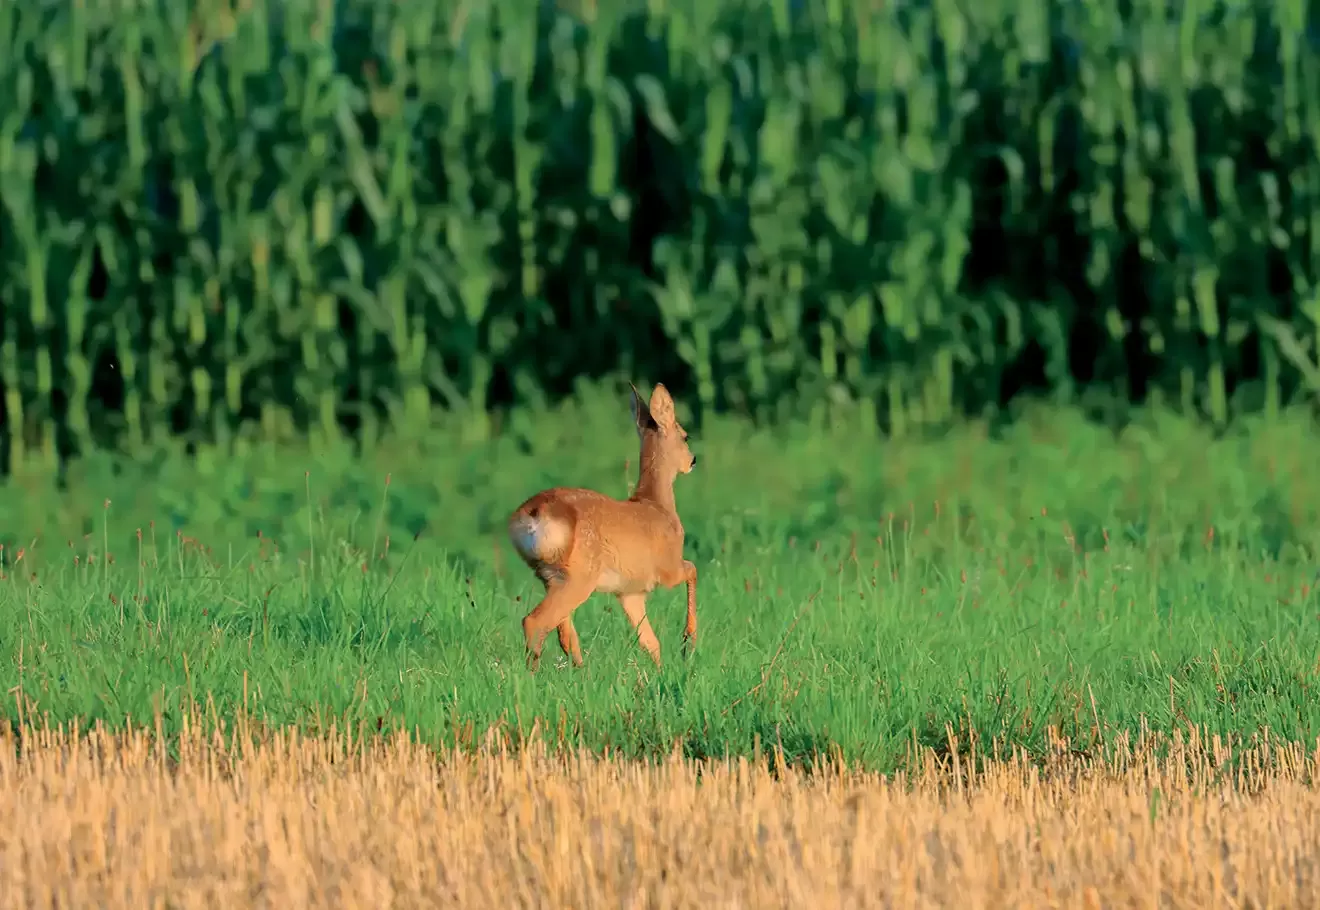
<point x="626" y="544"/>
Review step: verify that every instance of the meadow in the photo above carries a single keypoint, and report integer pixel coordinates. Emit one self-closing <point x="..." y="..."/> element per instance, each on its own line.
<point x="988" y="591"/>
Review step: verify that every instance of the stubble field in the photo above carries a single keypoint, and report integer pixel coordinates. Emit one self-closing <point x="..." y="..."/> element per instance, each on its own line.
<point x="883" y="626"/>
<point x="239" y="821"/>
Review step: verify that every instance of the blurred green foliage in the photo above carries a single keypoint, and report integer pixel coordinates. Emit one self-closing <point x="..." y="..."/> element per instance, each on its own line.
<point x="222" y="221"/>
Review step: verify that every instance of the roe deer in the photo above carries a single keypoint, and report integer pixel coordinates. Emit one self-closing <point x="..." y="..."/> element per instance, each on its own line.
<point x="579" y="541"/>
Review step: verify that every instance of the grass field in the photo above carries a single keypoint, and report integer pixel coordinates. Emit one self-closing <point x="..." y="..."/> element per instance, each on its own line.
<point x="856" y="596"/>
<point x="238" y="821"/>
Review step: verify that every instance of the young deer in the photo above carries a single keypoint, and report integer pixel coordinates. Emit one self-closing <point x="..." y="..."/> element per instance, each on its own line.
<point x="579" y="541"/>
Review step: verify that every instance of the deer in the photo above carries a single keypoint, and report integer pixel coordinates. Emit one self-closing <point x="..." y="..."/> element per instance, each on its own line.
<point x="579" y="542"/>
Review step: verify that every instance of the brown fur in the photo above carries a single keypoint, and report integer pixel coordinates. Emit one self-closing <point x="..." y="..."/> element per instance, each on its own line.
<point x="579" y="541"/>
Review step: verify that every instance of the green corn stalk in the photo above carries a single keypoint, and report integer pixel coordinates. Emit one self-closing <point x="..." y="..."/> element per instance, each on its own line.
<point x="518" y="61"/>
<point x="11" y="373"/>
<point x="77" y="308"/>
<point x="779" y="204"/>
<point x="471" y="238"/>
<point x="38" y="254"/>
<point x="27" y="397"/>
<point x="689" y="316"/>
<point x="603" y="91"/>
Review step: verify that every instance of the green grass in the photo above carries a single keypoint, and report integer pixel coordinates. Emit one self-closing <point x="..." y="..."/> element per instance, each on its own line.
<point x="853" y="593"/>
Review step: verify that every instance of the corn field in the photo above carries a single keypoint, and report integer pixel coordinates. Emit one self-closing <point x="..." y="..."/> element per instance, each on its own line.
<point x="328" y="217"/>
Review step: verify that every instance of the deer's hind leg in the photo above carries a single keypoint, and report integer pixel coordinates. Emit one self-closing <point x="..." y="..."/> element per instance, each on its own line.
<point x="690" y="628"/>
<point x="569" y="641"/>
<point x="634" y="607"/>
<point x="686" y="574"/>
<point x="562" y="597"/>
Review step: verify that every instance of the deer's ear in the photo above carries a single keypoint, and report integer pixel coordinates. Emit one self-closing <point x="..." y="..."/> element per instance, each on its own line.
<point x="662" y="406"/>
<point x="641" y="413"/>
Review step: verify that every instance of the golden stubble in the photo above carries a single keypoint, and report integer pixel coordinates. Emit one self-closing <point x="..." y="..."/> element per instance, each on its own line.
<point x="282" y="821"/>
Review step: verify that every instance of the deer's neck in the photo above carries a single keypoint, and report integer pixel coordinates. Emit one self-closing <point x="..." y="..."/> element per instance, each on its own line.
<point x="654" y="484"/>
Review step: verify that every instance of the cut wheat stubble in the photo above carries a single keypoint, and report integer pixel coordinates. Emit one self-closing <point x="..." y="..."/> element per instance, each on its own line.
<point x="106" y="820"/>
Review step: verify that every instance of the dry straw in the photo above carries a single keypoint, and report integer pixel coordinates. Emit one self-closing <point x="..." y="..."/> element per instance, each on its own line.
<point x="280" y="820"/>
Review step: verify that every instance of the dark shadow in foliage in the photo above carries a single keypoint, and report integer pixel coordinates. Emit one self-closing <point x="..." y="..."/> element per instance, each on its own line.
<point x="1276" y="526"/>
<point x="656" y="175"/>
